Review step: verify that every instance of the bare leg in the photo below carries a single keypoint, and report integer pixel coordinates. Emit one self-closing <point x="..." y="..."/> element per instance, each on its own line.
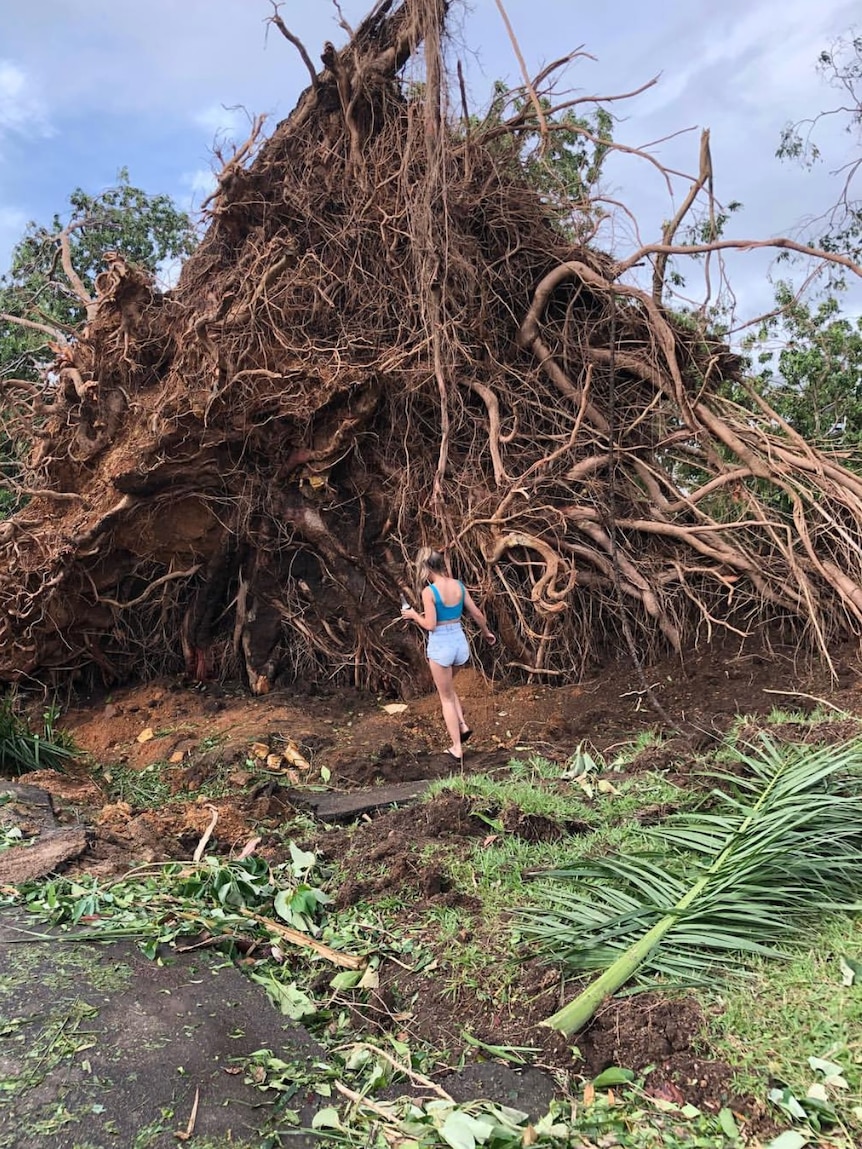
<point x="462" y="724"/>
<point x="449" y="704"/>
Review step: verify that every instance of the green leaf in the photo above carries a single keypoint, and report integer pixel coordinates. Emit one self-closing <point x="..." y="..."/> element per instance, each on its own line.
<point x="461" y="1131"/>
<point x="728" y="1124"/>
<point x="786" y="1100"/>
<point x="281" y="905"/>
<point x="613" y="1075"/>
<point x="326" y="1118"/>
<point x="851" y="970"/>
<point x="290" y="999"/>
<point x="301" y="860"/>
<point x="790" y="1139"/>
<point x="827" y="1068"/>
<point x="347" y="979"/>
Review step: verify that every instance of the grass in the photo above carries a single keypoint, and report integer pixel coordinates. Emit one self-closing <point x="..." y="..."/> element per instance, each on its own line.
<point x="145" y="788"/>
<point x="770" y="1022"/>
<point x="545" y="790"/>
<point x="23" y="749"/>
<point x="48" y="1039"/>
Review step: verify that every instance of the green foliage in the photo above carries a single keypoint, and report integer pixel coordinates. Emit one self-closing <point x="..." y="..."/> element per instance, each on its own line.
<point x="747" y="876"/>
<point x="22" y="749"/>
<point x="159" y="904"/>
<point x="565" y="168"/>
<point x="635" y="1121"/>
<point x="807" y="1013"/>
<point x="813" y="378"/>
<point x="146" y="229"/>
<point x="601" y="1113"/>
<point x="841" y="68"/>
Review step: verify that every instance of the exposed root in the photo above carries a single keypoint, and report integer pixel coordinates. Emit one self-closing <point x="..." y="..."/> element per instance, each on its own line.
<point x="387" y="338"/>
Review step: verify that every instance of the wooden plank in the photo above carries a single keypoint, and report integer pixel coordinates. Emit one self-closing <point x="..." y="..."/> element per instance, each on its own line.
<point x="331" y="807"/>
<point x="28" y="796"/>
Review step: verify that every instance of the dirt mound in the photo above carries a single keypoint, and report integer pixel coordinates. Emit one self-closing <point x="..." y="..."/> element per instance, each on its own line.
<point x="152" y="799"/>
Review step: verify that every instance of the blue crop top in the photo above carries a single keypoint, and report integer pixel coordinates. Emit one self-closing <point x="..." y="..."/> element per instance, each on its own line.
<point x="448" y="613"/>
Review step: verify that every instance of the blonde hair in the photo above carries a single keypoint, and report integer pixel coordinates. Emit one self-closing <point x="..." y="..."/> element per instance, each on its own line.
<point x="430" y="561"/>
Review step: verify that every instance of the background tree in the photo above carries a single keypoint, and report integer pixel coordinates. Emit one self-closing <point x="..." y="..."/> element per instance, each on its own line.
<point x="43" y="297"/>
<point x="52" y="264"/>
<point x="807" y="355"/>
<point x="809" y="365"/>
<point x="841" y="67"/>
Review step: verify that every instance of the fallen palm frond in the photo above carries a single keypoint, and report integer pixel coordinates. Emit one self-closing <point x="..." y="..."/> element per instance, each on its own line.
<point x="745" y="877"/>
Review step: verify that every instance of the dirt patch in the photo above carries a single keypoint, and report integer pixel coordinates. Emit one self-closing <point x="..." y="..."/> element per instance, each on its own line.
<point x="157" y="1037"/>
<point x="537" y="827"/>
<point x="645" y="1032"/>
<point x="350" y="737"/>
<point x="666" y="1037"/>
<point x="349" y="741"/>
<point x="814" y="734"/>
<point x="389" y="852"/>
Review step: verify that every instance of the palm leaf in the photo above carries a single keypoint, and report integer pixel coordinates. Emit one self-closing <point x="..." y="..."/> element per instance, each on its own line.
<point x="747" y="876"/>
<point x="22" y="749"/>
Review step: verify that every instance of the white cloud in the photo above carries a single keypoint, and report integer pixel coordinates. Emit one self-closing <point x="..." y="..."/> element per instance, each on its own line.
<point x="224" y="124"/>
<point x="199" y="182"/>
<point x="21" y="107"/>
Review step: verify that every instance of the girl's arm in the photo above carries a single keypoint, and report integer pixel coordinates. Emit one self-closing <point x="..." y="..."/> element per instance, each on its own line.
<point x="428" y="620"/>
<point x="475" y="613"/>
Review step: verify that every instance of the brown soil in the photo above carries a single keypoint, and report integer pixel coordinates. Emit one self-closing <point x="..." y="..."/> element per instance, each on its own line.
<point x="201" y="737"/>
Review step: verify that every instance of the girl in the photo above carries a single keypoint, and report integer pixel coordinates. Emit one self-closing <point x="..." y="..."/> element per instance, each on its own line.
<point x="444" y="600"/>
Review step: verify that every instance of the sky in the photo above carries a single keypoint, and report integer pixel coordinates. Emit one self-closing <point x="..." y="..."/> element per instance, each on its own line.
<point x="90" y="86"/>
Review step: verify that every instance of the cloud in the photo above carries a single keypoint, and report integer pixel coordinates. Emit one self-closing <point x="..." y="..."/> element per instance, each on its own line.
<point x="22" y="109"/>
<point x="738" y="58"/>
<point x="199" y="182"/>
<point x="224" y="123"/>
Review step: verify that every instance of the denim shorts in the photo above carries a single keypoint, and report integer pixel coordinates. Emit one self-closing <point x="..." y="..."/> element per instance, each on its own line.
<point x="447" y="646"/>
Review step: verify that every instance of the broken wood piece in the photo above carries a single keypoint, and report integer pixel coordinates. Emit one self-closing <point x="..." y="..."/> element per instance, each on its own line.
<point x="37" y="858"/>
<point x="187" y="1133"/>
<point x="329" y="807"/>
<point x="297" y="938"/>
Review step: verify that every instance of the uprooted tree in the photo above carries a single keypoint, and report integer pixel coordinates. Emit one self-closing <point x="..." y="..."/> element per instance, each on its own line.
<point x="388" y="336"/>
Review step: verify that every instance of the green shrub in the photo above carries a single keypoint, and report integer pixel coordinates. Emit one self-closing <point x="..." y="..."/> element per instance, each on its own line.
<point x="23" y="749"/>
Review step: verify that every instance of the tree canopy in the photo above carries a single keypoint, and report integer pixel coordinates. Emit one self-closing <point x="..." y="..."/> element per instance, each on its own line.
<point x="54" y="265"/>
<point x="44" y="296"/>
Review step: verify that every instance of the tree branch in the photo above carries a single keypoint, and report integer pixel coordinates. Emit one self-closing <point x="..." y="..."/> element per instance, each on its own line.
<point x="534" y="99"/>
<point x="276" y="20"/>
<point x="33" y="325"/>
<point x="736" y="245"/>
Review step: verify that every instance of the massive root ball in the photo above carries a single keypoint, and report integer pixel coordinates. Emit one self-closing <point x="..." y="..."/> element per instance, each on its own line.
<point x="386" y="338"/>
